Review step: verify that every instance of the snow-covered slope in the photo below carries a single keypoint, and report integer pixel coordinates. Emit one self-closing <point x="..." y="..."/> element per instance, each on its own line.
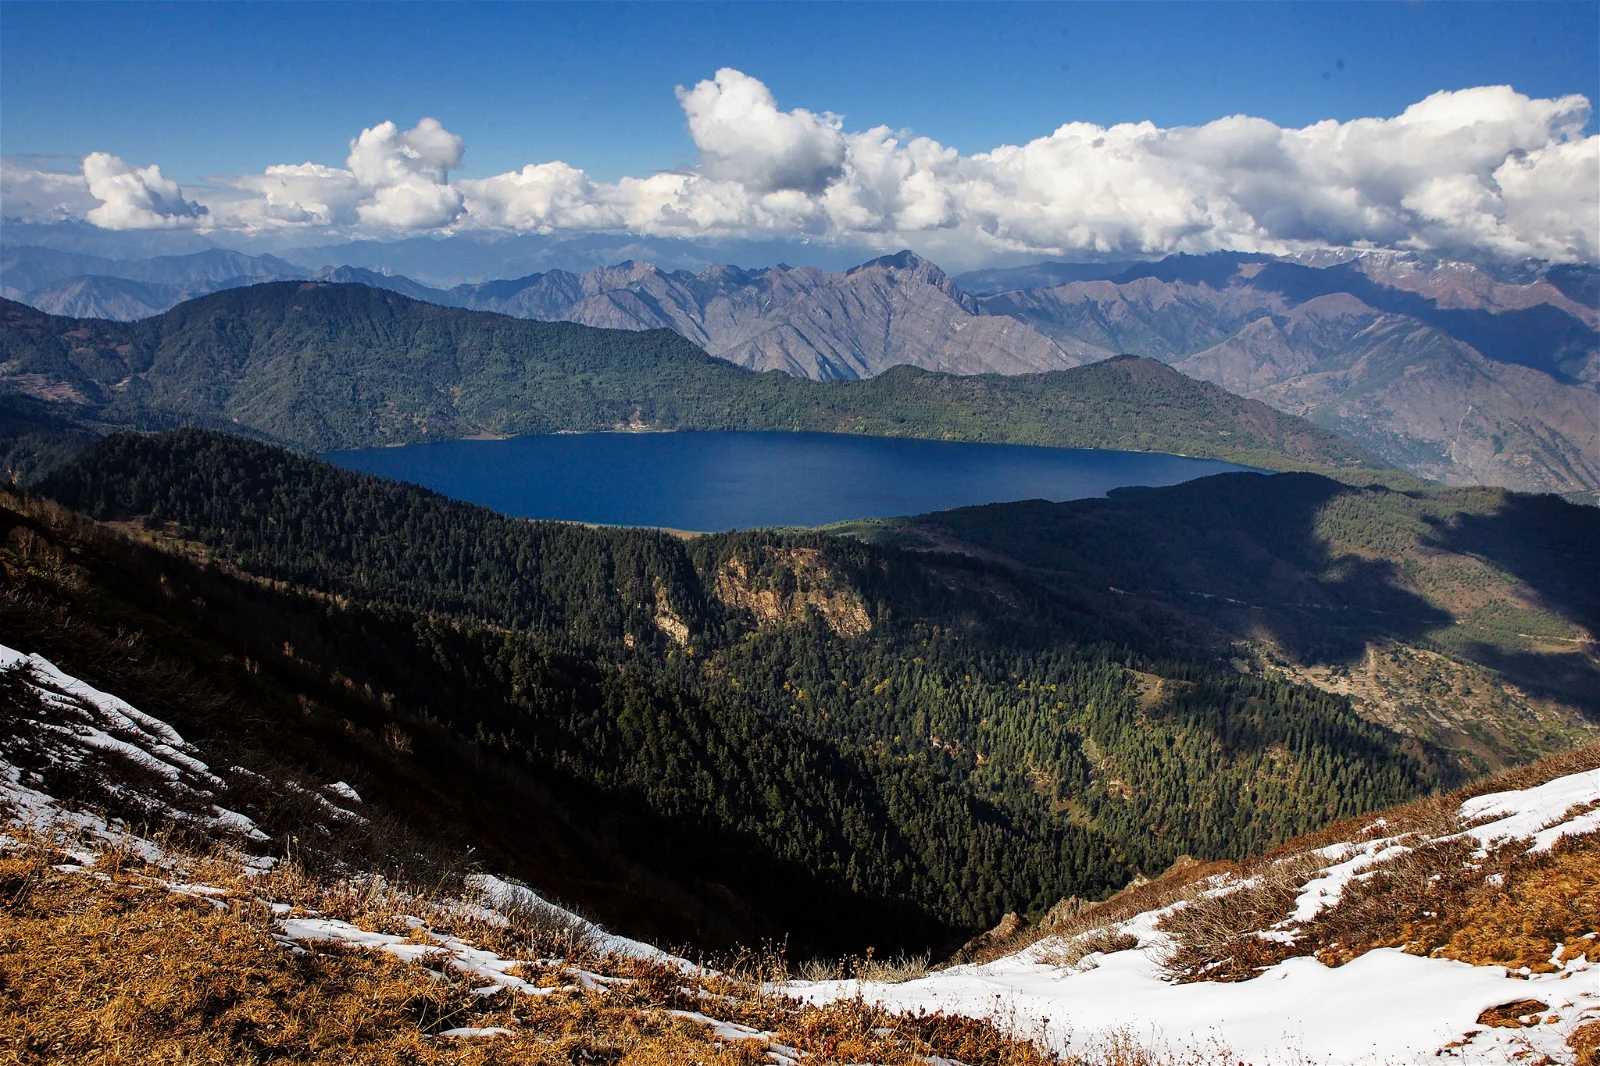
<point x="1385" y="1005"/>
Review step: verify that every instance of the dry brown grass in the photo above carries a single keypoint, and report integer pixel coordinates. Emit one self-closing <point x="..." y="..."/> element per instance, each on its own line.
<point x="1510" y="908"/>
<point x="1545" y="900"/>
<point x="880" y="971"/>
<point x="111" y="966"/>
<point x="1176" y="883"/>
<point x="1585" y="1044"/>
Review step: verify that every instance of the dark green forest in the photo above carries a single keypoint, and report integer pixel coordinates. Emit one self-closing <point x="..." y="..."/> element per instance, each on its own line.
<point x="809" y="719"/>
<point x="321" y="366"/>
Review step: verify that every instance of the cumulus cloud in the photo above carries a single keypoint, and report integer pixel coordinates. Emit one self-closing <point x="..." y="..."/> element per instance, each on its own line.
<point x="298" y="194"/>
<point x="41" y="189"/>
<point x="745" y="139"/>
<point x="407" y="174"/>
<point x="135" y="197"/>
<point x="1480" y="172"/>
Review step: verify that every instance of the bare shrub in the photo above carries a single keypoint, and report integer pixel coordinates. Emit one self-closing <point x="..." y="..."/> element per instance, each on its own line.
<point x="1216" y="934"/>
<point x="1073" y="950"/>
<point x="815" y="970"/>
<point x="895" y="970"/>
<point x="866" y="968"/>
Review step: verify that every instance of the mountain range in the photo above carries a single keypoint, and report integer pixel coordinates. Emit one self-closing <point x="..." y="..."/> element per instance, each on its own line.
<point x="324" y="365"/>
<point x="1455" y="372"/>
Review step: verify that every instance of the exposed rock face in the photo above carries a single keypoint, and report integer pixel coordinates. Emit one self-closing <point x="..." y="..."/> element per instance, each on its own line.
<point x="792" y="582"/>
<point x="1414" y="395"/>
<point x="897" y="310"/>
<point x="1441" y="368"/>
<point x="989" y="942"/>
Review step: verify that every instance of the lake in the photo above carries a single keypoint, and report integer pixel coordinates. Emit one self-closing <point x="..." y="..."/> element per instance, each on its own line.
<point x="719" y="481"/>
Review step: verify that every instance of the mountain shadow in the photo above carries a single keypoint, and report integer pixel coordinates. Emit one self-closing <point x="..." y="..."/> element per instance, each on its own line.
<point x="1322" y="570"/>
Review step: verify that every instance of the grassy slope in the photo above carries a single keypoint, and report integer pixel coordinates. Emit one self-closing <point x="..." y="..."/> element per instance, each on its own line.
<point x="337" y="366"/>
<point x="1468" y="616"/>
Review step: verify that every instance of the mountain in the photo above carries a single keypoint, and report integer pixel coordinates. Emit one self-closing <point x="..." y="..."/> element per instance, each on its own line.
<point x="1427" y="401"/>
<point x="896" y="310"/>
<point x="988" y="282"/>
<point x="855" y="324"/>
<point x="186" y="935"/>
<point x="278" y="740"/>
<point x="472" y="257"/>
<point x="1454" y="923"/>
<point x="1463" y="373"/>
<point x="1441" y="368"/>
<point x="97" y="296"/>
<point x="25" y="269"/>
<point x="335" y="366"/>
<point x="1465" y="617"/>
<point x="801" y="701"/>
<point x="64" y="283"/>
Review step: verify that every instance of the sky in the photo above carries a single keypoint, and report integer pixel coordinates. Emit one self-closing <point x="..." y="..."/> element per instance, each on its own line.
<point x="936" y="126"/>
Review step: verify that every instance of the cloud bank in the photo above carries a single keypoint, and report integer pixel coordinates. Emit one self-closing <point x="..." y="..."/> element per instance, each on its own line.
<point x="1481" y="172"/>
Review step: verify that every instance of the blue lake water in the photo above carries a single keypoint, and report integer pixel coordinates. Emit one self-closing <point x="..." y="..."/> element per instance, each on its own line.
<point x="720" y="481"/>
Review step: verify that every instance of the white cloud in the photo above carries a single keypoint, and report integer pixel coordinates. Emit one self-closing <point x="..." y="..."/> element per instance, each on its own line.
<point x="540" y="198"/>
<point x="745" y="139"/>
<point x="37" y="189"/>
<point x="1483" y="171"/>
<point x="298" y="194"/>
<point x="135" y="197"/>
<point x="408" y="175"/>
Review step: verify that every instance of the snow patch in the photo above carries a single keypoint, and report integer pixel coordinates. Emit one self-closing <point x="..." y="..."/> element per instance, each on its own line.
<point x="1385" y="1006"/>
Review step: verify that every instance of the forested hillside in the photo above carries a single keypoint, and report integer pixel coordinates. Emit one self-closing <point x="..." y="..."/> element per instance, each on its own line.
<point x="339" y="366"/>
<point x="938" y="734"/>
<point x="1464" y="616"/>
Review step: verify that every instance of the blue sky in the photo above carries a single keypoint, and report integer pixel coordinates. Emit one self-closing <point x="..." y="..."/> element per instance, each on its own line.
<point x="225" y="87"/>
<point x="969" y="132"/>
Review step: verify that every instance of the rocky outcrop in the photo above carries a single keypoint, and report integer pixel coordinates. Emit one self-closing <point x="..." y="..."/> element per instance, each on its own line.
<point x="786" y="585"/>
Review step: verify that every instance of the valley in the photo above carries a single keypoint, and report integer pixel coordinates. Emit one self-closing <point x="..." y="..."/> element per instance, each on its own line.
<point x="861" y="745"/>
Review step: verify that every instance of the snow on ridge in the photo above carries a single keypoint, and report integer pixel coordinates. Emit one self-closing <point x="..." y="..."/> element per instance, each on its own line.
<point x="343" y="790"/>
<point x="1384" y="1006"/>
<point x="118" y="711"/>
<point x="507" y="897"/>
